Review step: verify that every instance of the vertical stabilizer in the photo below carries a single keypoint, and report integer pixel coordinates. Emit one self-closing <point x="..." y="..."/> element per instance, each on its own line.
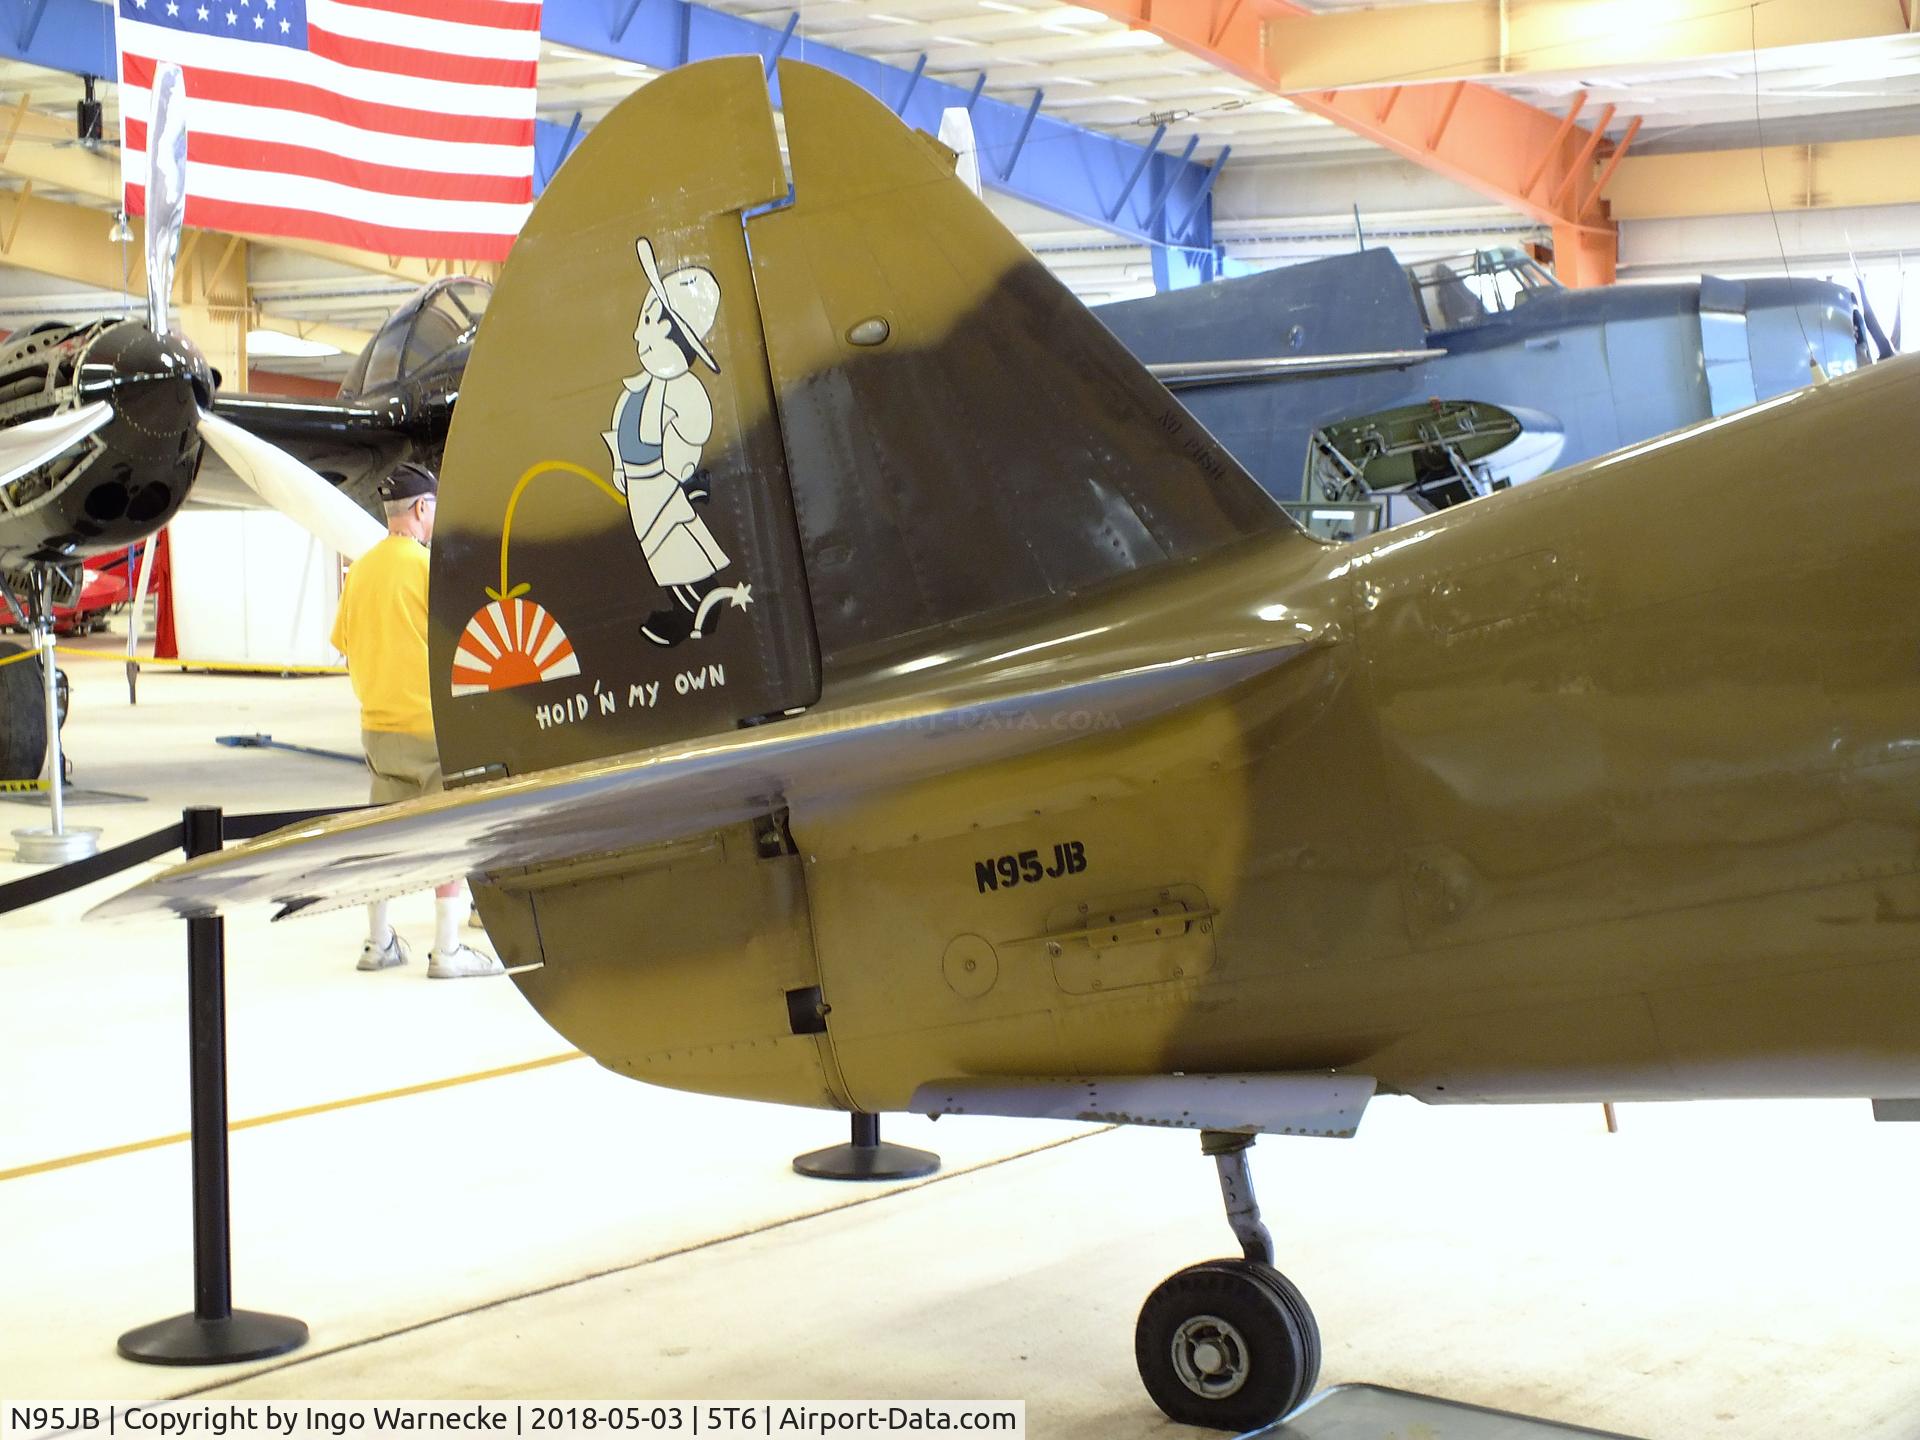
<point x="726" y="433"/>
<point x="615" y="560"/>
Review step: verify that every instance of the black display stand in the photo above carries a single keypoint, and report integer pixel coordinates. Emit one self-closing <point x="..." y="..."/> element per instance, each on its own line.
<point x="866" y="1158"/>
<point x="215" y="1333"/>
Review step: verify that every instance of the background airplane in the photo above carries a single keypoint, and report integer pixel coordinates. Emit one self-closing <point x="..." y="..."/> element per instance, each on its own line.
<point x="106" y="429"/>
<point x="101" y="443"/>
<point x="1576" y="373"/>
<point x="395" y="403"/>
<point x="1038" y="765"/>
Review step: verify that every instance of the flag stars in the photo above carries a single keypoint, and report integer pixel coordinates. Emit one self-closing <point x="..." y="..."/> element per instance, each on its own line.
<point x="173" y="7"/>
<point x="203" y="12"/>
<point x="285" y="27"/>
<point x="258" y="21"/>
<point x="232" y="19"/>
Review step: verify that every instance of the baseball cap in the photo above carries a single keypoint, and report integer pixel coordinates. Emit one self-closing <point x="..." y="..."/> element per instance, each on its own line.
<point x="408" y="482"/>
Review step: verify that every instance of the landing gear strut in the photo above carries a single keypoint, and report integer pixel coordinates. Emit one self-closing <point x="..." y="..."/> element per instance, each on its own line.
<point x="1229" y="1344"/>
<point x="56" y="843"/>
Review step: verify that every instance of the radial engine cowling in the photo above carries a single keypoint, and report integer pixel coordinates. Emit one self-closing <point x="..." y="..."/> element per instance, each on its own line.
<point x="128" y="478"/>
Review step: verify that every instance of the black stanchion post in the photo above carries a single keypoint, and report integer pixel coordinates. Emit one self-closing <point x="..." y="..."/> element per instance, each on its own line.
<point x="215" y="1333"/>
<point x="866" y="1157"/>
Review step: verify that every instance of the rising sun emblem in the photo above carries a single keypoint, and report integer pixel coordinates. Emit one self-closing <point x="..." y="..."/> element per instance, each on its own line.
<point x="510" y="643"/>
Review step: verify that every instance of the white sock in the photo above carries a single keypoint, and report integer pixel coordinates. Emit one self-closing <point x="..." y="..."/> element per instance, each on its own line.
<point x="448" y="912"/>
<point x="379" y="932"/>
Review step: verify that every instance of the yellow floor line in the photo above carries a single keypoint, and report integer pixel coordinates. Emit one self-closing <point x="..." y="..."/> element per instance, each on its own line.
<point x="242" y="667"/>
<point x="42" y="1167"/>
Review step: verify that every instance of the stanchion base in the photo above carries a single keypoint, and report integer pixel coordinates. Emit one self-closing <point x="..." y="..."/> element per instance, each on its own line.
<point x="867" y="1162"/>
<point x="190" y="1340"/>
<point x="39" y="845"/>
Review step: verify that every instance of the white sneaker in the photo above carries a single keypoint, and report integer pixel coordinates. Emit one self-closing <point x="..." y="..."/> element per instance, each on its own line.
<point x="383" y="957"/>
<point x="460" y="962"/>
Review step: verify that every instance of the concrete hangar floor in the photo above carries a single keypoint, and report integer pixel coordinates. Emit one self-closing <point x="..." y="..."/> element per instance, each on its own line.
<point x="517" y="1223"/>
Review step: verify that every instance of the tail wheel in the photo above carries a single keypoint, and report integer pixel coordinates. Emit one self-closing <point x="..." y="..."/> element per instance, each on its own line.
<point x="1230" y="1345"/>
<point x="23" y="717"/>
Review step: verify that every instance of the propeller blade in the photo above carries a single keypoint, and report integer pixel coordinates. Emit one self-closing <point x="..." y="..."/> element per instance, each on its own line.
<point x="293" y="489"/>
<point x="29" y="446"/>
<point x="166" y="189"/>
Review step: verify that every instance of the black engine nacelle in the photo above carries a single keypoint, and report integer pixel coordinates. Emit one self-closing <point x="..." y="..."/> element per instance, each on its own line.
<point x="128" y="478"/>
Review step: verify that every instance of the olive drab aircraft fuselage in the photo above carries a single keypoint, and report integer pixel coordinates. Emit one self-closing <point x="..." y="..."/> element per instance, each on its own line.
<point x="863" y="686"/>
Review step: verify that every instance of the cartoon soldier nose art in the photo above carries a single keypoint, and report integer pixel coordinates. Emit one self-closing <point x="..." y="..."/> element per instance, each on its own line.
<point x="660" y="422"/>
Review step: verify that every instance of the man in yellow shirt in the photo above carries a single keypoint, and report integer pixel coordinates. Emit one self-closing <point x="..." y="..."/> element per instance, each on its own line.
<point x="381" y="628"/>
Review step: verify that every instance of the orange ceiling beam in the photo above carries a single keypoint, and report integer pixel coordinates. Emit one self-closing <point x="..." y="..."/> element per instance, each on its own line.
<point x="1514" y="153"/>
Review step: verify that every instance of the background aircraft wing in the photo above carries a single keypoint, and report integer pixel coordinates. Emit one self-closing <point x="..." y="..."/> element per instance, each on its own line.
<point x="1185" y="374"/>
<point x="352" y="444"/>
<point x="678" y="790"/>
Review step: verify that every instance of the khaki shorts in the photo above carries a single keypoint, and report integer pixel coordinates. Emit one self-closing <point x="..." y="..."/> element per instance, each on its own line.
<point x="404" y="766"/>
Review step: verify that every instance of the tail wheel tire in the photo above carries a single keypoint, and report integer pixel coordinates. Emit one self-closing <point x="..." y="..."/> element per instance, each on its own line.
<point x="23" y="717"/>
<point x="1290" y="1296"/>
<point x="1230" y="1345"/>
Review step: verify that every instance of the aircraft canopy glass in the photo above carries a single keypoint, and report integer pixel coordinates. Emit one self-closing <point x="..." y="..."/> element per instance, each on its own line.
<point x="433" y="321"/>
<point x="1461" y="289"/>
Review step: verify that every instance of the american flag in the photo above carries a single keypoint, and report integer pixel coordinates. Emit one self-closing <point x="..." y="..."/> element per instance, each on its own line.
<point x="399" y="126"/>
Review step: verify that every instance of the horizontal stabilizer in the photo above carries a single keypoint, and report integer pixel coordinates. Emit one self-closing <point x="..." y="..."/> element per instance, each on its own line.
<point x="29" y="446"/>
<point x="1282" y="1104"/>
<point x="1186" y="374"/>
<point x="679" y="790"/>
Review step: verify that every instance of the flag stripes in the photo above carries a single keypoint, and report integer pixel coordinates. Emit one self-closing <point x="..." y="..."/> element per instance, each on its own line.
<point x="400" y="126"/>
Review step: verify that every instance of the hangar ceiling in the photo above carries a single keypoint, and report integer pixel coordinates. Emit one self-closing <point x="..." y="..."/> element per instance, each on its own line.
<point x="1291" y="179"/>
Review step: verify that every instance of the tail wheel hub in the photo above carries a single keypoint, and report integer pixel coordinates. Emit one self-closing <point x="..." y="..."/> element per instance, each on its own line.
<point x="1210" y="1357"/>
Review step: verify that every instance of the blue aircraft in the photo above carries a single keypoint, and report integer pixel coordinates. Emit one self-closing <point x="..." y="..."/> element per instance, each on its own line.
<point x="1362" y="392"/>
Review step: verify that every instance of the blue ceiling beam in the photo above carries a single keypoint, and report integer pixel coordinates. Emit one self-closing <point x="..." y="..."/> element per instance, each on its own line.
<point x="1065" y="168"/>
<point x="1093" y="178"/>
<point x="71" y="35"/>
